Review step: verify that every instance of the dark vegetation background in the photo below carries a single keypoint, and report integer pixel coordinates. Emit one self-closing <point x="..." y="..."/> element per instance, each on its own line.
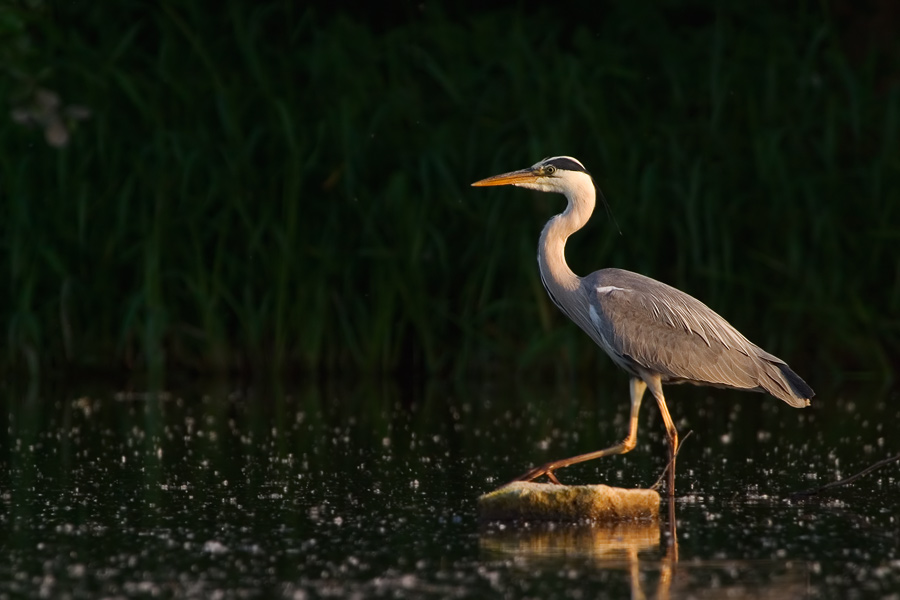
<point x="277" y="185"/>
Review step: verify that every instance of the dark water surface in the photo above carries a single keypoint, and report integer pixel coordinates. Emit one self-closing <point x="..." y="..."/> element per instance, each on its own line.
<point x="369" y="490"/>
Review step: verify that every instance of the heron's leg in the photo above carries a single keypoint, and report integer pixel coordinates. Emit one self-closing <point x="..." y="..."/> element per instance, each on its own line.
<point x="655" y="385"/>
<point x="637" y="392"/>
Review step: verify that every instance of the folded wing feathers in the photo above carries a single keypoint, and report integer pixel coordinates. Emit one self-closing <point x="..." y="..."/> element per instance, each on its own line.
<point x="682" y="311"/>
<point x="636" y="305"/>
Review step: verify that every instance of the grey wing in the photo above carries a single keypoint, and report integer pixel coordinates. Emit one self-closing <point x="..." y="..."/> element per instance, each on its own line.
<point x="668" y="332"/>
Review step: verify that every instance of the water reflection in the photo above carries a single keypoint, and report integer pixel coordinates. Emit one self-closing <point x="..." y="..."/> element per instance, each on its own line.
<point x="307" y="490"/>
<point x="606" y="543"/>
<point x="598" y="545"/>
<point x="647" y="554"/>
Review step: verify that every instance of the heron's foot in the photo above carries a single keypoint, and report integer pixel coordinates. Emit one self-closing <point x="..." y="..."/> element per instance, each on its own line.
<point x="539" y="472"/>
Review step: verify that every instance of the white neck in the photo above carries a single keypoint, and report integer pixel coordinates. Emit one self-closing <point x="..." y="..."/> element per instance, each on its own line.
<point x="552" y="248"/>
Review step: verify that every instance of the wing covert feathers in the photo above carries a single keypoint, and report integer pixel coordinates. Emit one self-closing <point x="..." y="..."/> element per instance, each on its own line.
<point x="666" y="331"/>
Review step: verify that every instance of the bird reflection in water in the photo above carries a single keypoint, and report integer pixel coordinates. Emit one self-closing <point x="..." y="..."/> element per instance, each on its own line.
<point x="647" y="551"/>
<point x="630" y="546"/>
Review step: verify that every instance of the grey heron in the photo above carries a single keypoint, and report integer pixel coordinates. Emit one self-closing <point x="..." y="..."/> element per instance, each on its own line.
<point x="656" y="333"/>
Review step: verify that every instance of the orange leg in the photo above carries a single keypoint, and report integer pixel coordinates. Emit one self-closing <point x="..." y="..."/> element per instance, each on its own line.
<point x="655" y="386"/>
<point x="637" y="392"/>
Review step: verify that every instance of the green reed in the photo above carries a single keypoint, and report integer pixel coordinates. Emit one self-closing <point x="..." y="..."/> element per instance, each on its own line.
<point x="261" y="187"/>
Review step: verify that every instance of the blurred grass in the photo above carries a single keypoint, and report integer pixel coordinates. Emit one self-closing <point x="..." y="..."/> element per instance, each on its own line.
<point x="260" y="186"/>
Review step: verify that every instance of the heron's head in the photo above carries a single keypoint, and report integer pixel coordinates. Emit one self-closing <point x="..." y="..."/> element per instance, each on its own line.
<point x="561" y="174"/>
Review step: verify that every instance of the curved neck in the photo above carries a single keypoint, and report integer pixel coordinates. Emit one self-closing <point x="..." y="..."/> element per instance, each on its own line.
<point x="552" y="248"/>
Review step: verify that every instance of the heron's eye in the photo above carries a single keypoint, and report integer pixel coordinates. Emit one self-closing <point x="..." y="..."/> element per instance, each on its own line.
<point x="549" y="170"/>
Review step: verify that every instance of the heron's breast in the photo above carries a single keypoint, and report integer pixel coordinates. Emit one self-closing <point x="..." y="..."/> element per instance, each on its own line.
<point x="598" y="332"/>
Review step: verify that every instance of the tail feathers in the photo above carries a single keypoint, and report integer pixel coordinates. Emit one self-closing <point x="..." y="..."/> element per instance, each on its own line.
<point x="783" y="383"/>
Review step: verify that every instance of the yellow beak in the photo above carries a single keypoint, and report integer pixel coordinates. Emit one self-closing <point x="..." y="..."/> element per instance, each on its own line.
<point x="510" y="178"/>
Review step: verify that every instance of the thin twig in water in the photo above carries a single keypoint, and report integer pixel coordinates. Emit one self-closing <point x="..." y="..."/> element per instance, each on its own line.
<point x="851" y="479"/>
<point x="658" y="483"/>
